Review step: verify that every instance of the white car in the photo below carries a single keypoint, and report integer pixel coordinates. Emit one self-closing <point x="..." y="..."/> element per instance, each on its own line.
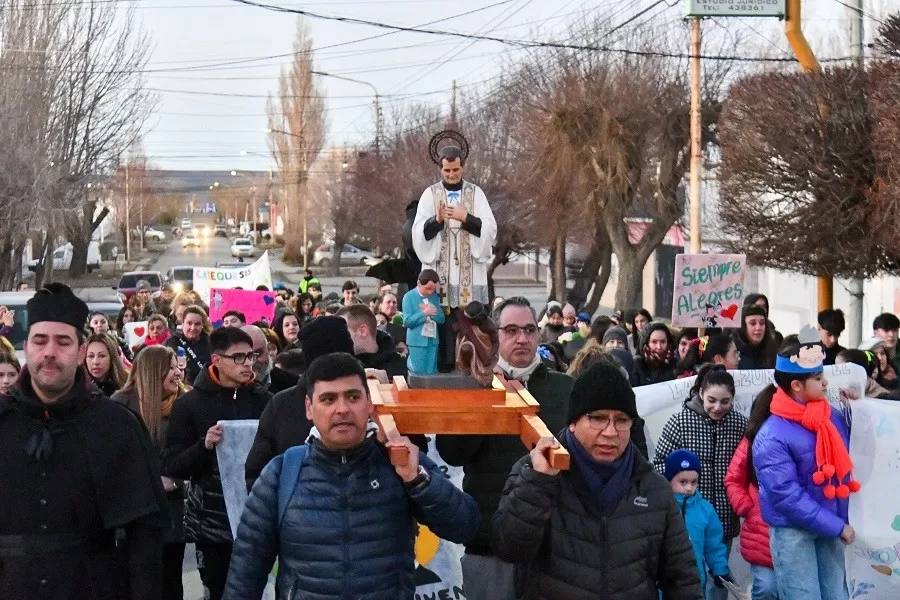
<point x="242" y="247"/>
<point x="190" y="239"/>
<point x="154" y="235"/>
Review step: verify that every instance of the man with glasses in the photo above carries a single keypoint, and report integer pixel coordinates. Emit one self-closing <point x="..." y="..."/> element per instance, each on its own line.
<point x="226" y="390"/>
<point x="486" y="460"/>
<point x="609" y="527"/>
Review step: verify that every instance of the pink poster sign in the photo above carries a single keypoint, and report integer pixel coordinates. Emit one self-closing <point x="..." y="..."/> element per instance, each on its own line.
<point x="709" y="290"/>
<point x="256" y="305"/>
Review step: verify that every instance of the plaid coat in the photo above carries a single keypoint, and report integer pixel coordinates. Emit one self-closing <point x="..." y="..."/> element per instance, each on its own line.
<point x="714" y="442"/>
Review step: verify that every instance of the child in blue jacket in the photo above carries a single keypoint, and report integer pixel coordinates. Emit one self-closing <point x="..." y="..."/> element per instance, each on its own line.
<point x="682" y="469"/>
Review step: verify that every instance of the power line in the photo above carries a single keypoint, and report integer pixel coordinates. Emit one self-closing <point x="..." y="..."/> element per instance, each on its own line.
<point x="860" y="11"/>
<point x="512" y="42"/>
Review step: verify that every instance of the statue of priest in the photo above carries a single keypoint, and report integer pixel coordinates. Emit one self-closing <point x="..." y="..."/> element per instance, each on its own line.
<point x="453" y="233"/>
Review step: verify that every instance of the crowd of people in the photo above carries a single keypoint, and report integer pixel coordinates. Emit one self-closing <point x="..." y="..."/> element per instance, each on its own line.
<point x="111" y="469"/>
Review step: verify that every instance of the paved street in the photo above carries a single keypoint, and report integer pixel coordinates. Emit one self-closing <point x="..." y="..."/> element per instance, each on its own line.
<point x="215" y="250"/>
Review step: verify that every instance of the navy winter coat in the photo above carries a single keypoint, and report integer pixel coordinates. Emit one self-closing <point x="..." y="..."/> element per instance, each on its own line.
<point x="348" y="531"/>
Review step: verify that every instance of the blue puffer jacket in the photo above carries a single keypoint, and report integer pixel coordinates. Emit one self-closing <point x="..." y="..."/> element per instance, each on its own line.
<point x="784" y="456"/>
<point x="705" y="530"/>
<point x="348" y="531"/>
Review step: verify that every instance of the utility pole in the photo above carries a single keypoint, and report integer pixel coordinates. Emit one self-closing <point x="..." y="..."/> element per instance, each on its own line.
<point x="793" y="30"/>
<point x="141" y="214"/>
<point x="453" y="104"/>
<point x="127" y="217"/>
<point x="856" y="290"/>
<point x="696" y="138"/>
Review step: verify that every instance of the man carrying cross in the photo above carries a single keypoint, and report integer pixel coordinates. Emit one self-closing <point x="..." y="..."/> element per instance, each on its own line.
<point x="454" y="233"/>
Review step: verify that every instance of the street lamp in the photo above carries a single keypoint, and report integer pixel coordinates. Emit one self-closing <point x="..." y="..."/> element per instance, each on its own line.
<point x="378" y="118"/>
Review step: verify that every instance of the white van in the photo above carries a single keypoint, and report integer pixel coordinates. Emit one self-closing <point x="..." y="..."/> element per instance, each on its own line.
<point x="62" y="258"/>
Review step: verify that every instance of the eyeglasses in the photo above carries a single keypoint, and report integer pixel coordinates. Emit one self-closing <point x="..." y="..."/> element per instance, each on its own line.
<point x="601" y="422"/>
<point x="515" y="330"/>
<point x="241" y="357"/>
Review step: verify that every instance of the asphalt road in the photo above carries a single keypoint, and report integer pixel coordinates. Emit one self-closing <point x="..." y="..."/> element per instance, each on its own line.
<point x="217" y="250"/>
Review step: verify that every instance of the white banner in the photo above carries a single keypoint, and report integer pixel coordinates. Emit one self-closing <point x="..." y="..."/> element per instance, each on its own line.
<point x="248" y="278"/>
<point x="873" y="561"/>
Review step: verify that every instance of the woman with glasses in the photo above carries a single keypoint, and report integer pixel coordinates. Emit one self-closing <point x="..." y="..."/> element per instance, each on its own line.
<point x="225" y="390"/>
<point x="154" y="383"/>
<point x="709" y="427"/>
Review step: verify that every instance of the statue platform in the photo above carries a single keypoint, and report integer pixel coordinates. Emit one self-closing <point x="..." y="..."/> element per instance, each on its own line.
<point x="506" y="408"/>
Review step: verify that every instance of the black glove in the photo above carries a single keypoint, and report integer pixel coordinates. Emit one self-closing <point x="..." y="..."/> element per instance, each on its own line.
<point x="719" y="580"/>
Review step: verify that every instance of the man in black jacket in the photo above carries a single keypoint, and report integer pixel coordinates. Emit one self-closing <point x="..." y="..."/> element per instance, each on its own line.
<point x="78" y="473"/>
<point x="274" y="378"/>
<point x="374" y="348"/>
<point x="284" y="423"/>
<point x="486" y="460"/>
<point x="609" y="527"/>
<point x="225" y="391"/>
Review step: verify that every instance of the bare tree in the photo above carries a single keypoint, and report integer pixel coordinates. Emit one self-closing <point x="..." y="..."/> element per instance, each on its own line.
<point x="297" y="132"/>
<point x="100" y="106"/>
<point x="798" y="167"/>
<point x="614" y="144"/>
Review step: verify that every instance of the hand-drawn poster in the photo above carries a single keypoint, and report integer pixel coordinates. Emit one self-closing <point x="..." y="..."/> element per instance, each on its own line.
<point x="256" y="306"/>
<point x="709" y="290"/>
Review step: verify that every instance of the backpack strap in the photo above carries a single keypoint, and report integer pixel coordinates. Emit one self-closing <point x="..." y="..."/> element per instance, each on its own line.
<point x="290" y="473"/>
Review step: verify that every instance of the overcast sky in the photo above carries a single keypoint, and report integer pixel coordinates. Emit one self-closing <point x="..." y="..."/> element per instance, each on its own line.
<point x="204" y="122"/>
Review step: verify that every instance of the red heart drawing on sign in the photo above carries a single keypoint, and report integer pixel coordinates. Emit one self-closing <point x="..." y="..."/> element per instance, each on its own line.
<point x="729" y="312"/>
<point x="139" y="331"/>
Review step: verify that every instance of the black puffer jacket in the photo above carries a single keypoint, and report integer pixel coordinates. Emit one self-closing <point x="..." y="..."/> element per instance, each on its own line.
<point x="348" y="530"/>
<point x="186" y="456"/>
<point x="385" y="358"/>
<point x="714" y="443"/>
<point x="565" y="550"/>
<point x="487" y="459"/>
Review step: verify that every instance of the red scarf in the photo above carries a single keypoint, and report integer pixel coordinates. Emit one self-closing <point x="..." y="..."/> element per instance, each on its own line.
<point x="657" y="359"/>
<point x="149" y="341"/>
<point x="832" y="457"/>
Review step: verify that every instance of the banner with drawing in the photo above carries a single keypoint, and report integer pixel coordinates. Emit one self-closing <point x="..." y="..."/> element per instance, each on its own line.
<point x="438" y="572"/>
<point x="709" y="290"/>
<point x="873" y="561"/>
<point x="256" y="306"/>
<point x="247" y="278"/>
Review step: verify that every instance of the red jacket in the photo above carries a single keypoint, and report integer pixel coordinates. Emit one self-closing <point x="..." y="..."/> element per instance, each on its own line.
<point x="744" y="498"/>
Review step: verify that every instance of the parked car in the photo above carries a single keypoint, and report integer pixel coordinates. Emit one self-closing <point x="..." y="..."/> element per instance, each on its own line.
<point x="220" y="230"/>
<point x="181" y="278"/>
<point x="350" y="255"/>
<point x="128" y="283"/>
<point x="62" y="258"/>
<point x="190" y="239"/>
<point x="18" y="302"/>
<point x="154" y="235"/>
<point x="242" y="247"/>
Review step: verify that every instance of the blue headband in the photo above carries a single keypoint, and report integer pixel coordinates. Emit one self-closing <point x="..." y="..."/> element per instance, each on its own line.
<point x="791" y="364"/>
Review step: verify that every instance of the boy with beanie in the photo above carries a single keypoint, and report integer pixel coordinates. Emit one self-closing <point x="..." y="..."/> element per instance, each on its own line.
<point x="602" y="517"/>
<point x="682" y="469"/>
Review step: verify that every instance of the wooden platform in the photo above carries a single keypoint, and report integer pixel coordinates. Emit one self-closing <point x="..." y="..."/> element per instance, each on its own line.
<point x="505" y="409"/>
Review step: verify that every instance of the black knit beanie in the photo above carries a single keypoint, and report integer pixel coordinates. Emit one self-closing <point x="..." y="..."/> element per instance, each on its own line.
<point x="601" y="387"/>
<point x="324" y="335"/>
